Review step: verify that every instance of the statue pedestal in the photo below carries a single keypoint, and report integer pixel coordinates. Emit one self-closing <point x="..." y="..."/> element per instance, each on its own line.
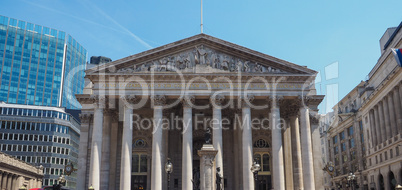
<point x="207" y="167"/>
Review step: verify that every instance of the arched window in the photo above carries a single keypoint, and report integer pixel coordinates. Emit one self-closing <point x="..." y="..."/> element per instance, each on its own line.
<point x="263" y="158"/>
<point x="140" y="143"/>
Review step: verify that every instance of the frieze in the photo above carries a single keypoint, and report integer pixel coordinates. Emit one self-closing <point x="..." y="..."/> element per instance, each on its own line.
<point x="188" y="61"/>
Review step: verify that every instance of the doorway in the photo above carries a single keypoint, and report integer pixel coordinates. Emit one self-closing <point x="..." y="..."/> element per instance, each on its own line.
<point x="138" y="182"/>
<point x="264" y="182"/>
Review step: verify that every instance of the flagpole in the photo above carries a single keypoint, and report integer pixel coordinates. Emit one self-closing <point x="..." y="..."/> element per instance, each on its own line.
<point x="201" y="20"/>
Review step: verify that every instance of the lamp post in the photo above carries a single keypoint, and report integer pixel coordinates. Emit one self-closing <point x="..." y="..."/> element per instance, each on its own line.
<point x="398" y="187"/>
<point x="91" y="188"/>
<point x="22" y="188"/>
<point x="169" y="170"/>
<point x="351" y="180"/>
<point x="254" y="169"/>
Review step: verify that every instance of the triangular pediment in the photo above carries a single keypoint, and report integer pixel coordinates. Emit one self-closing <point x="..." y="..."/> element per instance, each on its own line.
<point x="201" y="54"/>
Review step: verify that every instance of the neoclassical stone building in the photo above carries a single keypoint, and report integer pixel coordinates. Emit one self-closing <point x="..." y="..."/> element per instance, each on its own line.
<point x="140" y="110"/>
<point x="15" y="173"/>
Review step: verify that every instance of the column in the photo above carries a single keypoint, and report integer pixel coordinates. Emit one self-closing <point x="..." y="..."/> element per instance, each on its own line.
<point x="278" y="174"/>
<point x="398" y="110"/>
<point x="372" y="128"/>
<point x="96" y="146"/>
<point x="156" y="171"/>
<point x="9" y="181"/>
<point x="385" y="129"/>
<point x="105" y="163"/>
<point x="377" y="125"/>
<point x="127" y="143"/>
<point x="297" y="158"/>
<point x="383" y="121"/>
<point x="14" y="184"/>
<point x="217" y="129"/>
<point x="287" y="152"/>
<point x="4" y="180"/>
<point x="307" y="155"/>
<point x="393" y="127"/>
<point x="114" y="133"/>
<point x="187" y="155"/>
<point x="247" y="145"/>
<point x="85" y="119"/>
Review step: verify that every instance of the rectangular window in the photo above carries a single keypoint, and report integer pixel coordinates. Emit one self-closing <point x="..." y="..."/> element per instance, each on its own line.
<point x="343" y="147"/>
<point x="335" y="139"/>
<point x="350" y="131"/>
<point x="352" y="142"/>
<point x="342" y="135"/>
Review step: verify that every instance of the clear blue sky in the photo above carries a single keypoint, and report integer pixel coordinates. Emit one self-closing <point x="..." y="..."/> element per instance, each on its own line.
<point x="316" y="33"/>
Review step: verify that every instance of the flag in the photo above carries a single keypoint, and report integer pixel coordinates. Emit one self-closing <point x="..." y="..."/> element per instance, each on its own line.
<point x="398" y="56"/>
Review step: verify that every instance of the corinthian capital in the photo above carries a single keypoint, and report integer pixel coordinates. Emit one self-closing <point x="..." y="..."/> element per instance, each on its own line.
<point x="129" y="99"/>
<point x="99" y="101"/>
<point x="188" y="101"/>
<point x="158" y="100"/>
<point x="85" y="117"/>
<point x="246" y="100"/>
<point x="217" y="100"/>
<point x="275" y="100"/>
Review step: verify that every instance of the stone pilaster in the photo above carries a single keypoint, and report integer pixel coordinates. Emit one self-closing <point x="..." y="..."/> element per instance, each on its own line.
<point x="393" y="130"/>
<point x="377" y="125"/>
<point x="86" y="119"/>
<point x="385" y="129"/>
<point x="398" y="109"/>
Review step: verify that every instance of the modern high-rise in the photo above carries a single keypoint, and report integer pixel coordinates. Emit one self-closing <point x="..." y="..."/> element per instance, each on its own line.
<point x="39" y="65"/>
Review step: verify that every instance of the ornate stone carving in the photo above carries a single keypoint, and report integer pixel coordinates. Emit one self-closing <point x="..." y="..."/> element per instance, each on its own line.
<point x="275" y="100"/>
<point x="130" y="99"/>
<point x="203" y="56"/>
<point x="188" y="101"/>
<point x="85" y="117"/>
<point x="99" y="101"/>
<point x="217" y="100"/>
<point x="246" y="100"/>
<point x="158" y="100"/>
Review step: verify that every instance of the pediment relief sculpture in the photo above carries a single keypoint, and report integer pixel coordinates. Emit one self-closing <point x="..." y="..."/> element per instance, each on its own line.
<point x="200" y="59"/>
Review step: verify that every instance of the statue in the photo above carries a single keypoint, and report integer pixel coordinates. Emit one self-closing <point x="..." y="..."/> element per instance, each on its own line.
<point x="225" y="63"/>
<point x="180" y="62"/>
<point x="258" y="68"/>
<point x="203" y="55"/>
<point x="246" y="67"/>
<point x="187" y="61"/>
<point x="196" y="180"/>
<point x="208" y="136"/>
<point x="214" y="60"/>
<point x="239" y="66"/>
<point x="218" y="179"/>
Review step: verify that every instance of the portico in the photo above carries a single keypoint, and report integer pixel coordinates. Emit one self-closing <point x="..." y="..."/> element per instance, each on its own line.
<point x="159" y="104"/>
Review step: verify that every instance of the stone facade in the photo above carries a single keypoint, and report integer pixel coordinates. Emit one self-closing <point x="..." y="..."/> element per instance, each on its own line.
<point x="373" y="111"/>
<point x="158" y="104"/>
<point x="15" y="173"/>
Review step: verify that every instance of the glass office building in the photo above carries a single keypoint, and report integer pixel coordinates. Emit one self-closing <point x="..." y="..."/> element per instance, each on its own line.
<point x="39" y="65"/>
<point x="41" y="135"/>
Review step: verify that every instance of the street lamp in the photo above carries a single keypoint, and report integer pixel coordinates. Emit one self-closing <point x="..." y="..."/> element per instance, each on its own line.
<point x="169" y="170"/>
<point x="91" y="188"/>
<point x="351" y="180"/>
<point x="398" y="187"/>
<point x="22" y="188"/>
<point x="254" y="169"/>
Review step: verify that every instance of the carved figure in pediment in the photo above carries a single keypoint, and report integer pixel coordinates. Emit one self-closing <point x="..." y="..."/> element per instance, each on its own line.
<point x="163" y="64"/>
<point x="239" y="66"/>
<point x="269" y="69"/>
<point x="232" y="65"/>
<point x="155" y="66"/>
<point x="202" y="55"/>
<point x="214" y="60"/>
<point x="125" y="70"/>
<point x="187" y="61"/>
<point x="246" y="67"/>
<point x="257" y="68"/>
<point x="225" y="63"/>
<point x="180" y="62"/>
<point x="171" y="65"/>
